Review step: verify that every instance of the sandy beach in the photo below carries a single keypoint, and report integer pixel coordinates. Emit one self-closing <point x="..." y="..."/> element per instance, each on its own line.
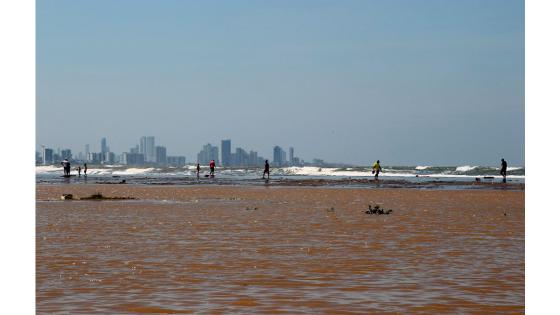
<point x="231" y="249"/>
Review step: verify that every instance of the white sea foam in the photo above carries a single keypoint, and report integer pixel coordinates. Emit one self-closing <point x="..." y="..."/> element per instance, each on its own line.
<point x="421" y="168"/>
<point x="47" y="169"/>
<point x="318" y="171"/>
<point x="134" y="171"/>
<point x="465" y="168"/>
<point x="322" y="171"/>
<point x="99" y="171"/>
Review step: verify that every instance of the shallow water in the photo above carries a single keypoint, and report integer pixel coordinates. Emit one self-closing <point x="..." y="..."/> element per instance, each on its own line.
<point x="208" y="250"/>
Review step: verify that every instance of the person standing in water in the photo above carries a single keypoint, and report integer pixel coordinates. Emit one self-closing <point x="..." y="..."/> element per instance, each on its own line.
<point x="266" y="169"/>
<point x="376" y="169"/>
<point x="197" y="170"/>
<point x="79" y="170"/>
<point x="66" y="166"/>
<point x="212" y="166"/>
<point x="504" y="169"/>
<point x="85" y="169"/>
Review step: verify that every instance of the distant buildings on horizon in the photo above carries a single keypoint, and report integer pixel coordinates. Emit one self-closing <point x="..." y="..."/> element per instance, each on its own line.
<point x="146" y="152"/>
<point x="242" y="158"/>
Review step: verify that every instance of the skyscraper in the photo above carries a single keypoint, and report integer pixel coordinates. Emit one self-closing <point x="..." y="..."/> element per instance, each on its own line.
<point x="226" y="152"/>
<point x="279" y="156"/>
<point x="291" y="157"/>
<point x="161" y="155"/>
<point x="104" y="146"/>
<point x="148" y="148"/>
<point x="47" y="156"/>
<point x="143" y="146"/>
<point x="108" y="158"/>
<point x="151" y="149"/>
<point x="208" y="153"/>
<point x="66" y="154"/>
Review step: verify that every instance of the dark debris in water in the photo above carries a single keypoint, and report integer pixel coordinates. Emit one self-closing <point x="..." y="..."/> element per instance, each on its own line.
<point x="377" y="210"/>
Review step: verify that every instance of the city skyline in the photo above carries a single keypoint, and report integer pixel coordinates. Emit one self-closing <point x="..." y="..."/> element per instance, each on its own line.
<point x="149" y="152"/>
<point x="347" y="81"/>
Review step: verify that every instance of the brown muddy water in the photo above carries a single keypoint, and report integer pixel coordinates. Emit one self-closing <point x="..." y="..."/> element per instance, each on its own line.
<point x="181" y="250"/>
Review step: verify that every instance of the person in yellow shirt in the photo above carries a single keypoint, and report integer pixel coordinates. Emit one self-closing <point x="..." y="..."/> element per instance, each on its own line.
<point x="376" y="169"/>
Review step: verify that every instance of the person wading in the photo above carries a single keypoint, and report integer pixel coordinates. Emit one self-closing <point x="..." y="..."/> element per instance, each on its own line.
<point x="376" y="169"/>
<point x="266" y="169"/>
<point x="504" y="169"/>
<point x="66" y="166"/>
<point x="212" y="166"/>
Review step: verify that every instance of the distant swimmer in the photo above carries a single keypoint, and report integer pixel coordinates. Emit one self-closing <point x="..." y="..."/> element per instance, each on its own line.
<point x="66" y="166"/>
<point x="504" y="169"/>
<point x="376" y="169"/>
<point x="266" y="169"/>
<point x="85" y="169"/>
<point x="212" y="166"/>
<point x="198" y="170"/>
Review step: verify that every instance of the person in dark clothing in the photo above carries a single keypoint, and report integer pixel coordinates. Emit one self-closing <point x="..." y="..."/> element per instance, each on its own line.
<point x="85" y="169"/>
<point x="266" y="169"/>
<point x="79" y="169"/>
<point x="198" y="170"/>
<point x="66" y="166"/>
<point x="504" y="169"/>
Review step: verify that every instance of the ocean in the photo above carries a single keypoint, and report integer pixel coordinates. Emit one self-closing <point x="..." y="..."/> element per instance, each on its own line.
<point x="187" y="174"/>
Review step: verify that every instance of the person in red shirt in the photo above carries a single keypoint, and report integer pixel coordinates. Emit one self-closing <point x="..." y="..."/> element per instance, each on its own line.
<point x="212" y="166"/>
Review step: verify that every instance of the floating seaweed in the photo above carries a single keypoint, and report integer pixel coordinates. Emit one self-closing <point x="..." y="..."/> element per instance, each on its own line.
<point x="99" y="196"/>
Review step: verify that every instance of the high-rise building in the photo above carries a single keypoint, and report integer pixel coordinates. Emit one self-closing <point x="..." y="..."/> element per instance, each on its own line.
<point x="148" y="148"/>
<point x="241" y="157"/>
<point x="253" y="158"/>
<point x="66" y="154"/>
<point x="176" y="160"/>
<point x="226" y="152"/>
<point x="87" y="150"/>
<point x="291" y="156"/>
<point x="142" y="148"/>
<point x="151" y="149"/>
<point x="108" y="158"/>
<point x="95" y="158"/>
<point x="208" y="153"/>
<point x="132" y="158"/>
<point x="279" y="156"/>
<point x="104" y="148"/>
<point x="47" y="156"/>
<point x="136" y="149"/>
<point x="161" y="155"/>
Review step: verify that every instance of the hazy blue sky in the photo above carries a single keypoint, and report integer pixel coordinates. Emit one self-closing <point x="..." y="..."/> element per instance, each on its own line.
<point x="406" y="82"/>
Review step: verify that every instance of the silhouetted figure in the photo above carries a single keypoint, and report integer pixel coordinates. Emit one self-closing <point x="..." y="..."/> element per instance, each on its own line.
<point x="66" y="166"/>
<point x="266" y="169"/>
<point x="376" y="169"/>
<point x="85" y="169"/>
<point x="79" y="171"/>
<point x="504" y="169"/>
<point x="212" y="166"/>
<point x="198" y="170"/>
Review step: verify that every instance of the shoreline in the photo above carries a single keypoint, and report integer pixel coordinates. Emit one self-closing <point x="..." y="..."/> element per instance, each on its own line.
<point x="283" y="182"/>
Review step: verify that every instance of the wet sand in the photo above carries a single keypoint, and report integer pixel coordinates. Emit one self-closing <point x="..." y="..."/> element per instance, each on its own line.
<point x="232" y="249"/>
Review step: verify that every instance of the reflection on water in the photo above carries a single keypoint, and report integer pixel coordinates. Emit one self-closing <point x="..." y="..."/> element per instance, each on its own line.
<point x="439" y="252"/>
